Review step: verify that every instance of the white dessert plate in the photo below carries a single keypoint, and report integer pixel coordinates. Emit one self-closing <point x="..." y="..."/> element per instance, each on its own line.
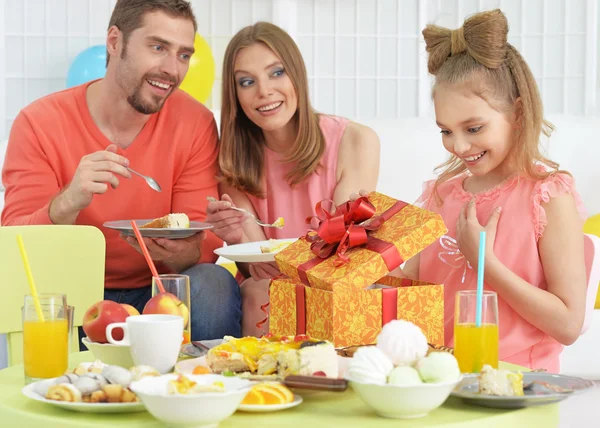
<point x="259" y="408"/>
<point x="542" y="391"/>
<point x="124" y="226"/>
<point x="28" y="391"/>
<point x="250" y="252"/>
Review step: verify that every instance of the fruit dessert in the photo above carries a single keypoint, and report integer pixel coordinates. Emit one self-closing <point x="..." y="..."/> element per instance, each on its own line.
<point x="94" y="383"/>
<point x="276" y="356"/>
<point x="267" y="393"/>
<point x="184" y="385"/>
<point x="500" y="382"/>
<point x="274" y="246"/>
<point x="401" y="357"/>
<point x="170" y="221"/>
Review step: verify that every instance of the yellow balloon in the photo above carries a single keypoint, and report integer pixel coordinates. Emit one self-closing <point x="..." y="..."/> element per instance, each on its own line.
<point x="592" y="226"/>
<point x="198" y="81"/>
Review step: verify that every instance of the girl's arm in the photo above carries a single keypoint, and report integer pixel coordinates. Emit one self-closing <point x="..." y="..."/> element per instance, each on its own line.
<point x="560" y="310"/>
<point x="357" y="162"/>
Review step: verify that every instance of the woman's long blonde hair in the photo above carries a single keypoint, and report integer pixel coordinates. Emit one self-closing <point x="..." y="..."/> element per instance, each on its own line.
<point x="478" y="56"/>
<point x="242" y="144"/>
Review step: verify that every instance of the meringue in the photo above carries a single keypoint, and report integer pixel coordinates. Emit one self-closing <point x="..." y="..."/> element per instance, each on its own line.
<point x="438" y="367"/>
<point x="403" y="342"/>
<point x="117" y="375"/>
<point x="404" y="376"/>
<point x="370" y="365"/>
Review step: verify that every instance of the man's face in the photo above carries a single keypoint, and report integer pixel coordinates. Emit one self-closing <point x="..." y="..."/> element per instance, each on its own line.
<point x="154" y="60"/>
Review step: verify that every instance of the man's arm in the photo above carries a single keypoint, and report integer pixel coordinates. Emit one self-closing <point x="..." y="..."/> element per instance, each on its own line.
<point x="30" y="182"/>
<point x="197" y="181"/>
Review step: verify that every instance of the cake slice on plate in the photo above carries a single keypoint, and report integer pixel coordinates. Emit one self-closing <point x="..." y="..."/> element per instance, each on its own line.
<point x="170" y="221"/>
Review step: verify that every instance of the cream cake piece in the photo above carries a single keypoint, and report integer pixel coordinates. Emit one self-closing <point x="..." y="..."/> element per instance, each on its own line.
<point x="274" y="246"/>
<point x="500" y="382"/>
<point x="170" y="221"/>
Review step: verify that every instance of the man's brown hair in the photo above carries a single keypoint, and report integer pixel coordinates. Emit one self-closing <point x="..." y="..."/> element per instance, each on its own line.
<point x="128" y="15"/>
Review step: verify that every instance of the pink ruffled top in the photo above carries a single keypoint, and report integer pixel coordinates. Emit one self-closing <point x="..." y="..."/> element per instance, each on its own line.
<point x="521" y="225"/>
<point x="297" y="203"/>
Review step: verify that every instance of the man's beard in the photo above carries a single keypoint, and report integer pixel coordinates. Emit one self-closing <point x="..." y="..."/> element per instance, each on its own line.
<point x="136" y="101"/>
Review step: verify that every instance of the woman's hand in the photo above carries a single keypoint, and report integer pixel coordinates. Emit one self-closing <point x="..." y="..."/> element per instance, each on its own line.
<point x="228" y="223"/>
<point x="264" y="270"/>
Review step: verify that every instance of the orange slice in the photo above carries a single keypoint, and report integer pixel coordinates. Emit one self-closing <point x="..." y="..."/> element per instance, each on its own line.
<point x="201" y="370"/>
<point x="254" y="397"/>
<point x="289" y="395"/>
<point x="186" y="338"/>
<point x="271" y="395"/>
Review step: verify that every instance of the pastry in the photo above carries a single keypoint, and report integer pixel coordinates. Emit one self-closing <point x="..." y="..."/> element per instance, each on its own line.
<point x="139" y="372"/>
<point x="273" y="356"/>
<point x="119" y="394"/>
<point x="117" y="375"/>
<point x="370" y="365"/>
<point x="64" y="392"/>
<point x="403" y="342"/>
<point x="170" y="221"/>
<point x="274" y="246"/>
<point x="87" y="385"/>
<point x="500" y="382"/>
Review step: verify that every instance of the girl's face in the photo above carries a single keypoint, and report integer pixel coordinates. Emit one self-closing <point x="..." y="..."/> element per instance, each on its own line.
<point x="473" y="131"/>
<point x="264" y="90"/>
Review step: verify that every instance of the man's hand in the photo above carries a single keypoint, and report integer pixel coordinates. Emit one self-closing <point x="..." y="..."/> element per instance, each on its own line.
<point x="176" y="254"/>
<point x="94" y="174"/>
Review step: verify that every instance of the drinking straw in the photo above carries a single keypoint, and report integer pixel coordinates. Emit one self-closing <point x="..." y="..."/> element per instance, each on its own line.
<point x="480" y="268"/>
<point x="36" y="299"/>
<point x="147" y="256"/>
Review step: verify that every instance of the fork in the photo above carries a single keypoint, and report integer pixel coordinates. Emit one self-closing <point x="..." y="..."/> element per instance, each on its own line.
<point x="260" y="223"/>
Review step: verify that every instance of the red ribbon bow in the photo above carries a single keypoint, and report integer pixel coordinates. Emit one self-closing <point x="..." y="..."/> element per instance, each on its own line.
<point x="340" y="228"/>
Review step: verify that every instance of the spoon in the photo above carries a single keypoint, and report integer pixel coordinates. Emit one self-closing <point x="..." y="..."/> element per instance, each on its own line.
<point x="151" y="181"/>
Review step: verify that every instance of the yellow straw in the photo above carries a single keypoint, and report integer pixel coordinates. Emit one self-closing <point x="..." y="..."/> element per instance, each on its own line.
<point x="36" y="299"/>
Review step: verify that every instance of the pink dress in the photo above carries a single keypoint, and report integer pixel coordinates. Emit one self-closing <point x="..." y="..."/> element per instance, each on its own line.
<point x="521" y="225"/>
<point x="294" y="204"/>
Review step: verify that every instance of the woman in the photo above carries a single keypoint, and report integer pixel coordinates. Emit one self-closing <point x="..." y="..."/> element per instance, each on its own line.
<point x="278" y="157"/>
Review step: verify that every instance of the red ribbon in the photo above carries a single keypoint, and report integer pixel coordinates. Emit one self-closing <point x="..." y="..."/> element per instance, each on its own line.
<point x="359" y="208"/>
<point x="340" y="228"/>
<point x="300" y="310"/>
<point x="389" y="312"/>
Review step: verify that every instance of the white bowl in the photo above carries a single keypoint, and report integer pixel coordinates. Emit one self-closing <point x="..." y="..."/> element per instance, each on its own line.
<point x="204" y="409"/>
<point x="114" y="355"/>
<point x="404" y="402"/>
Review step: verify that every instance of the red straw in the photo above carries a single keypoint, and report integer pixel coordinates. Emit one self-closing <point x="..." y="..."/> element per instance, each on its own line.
<point x="147" y="255"/>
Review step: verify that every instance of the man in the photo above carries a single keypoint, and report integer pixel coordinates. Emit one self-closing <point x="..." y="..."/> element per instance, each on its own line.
<point x="68" y="152"/>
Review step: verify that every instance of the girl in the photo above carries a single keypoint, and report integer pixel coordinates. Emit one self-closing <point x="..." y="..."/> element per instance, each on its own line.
<point x="279" y="157"/>
<point x="489" y="111"/>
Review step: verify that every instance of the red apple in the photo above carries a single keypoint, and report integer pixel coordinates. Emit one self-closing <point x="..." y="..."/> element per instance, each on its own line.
<point x="130" y="309"/>
<point x="169" y="304"/>
<point x="101" y="314"/>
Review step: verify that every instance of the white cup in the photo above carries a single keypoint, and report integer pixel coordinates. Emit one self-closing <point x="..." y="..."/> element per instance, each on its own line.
<point x="154" y="340"/>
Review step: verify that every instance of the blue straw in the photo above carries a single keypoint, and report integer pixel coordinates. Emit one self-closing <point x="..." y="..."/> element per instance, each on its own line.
<point x="480" y="268"/>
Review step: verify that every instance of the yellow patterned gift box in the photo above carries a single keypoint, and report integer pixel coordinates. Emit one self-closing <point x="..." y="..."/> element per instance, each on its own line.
<point x="327" y="292"/>
<point x="355" y="317"/>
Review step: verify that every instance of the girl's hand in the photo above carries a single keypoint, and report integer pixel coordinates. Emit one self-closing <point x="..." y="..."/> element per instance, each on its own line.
<point x="467" y="233"/>
<point x="228" y="223"/>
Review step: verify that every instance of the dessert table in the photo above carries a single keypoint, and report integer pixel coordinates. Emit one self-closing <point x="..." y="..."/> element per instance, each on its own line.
<point x="318" y="409"/>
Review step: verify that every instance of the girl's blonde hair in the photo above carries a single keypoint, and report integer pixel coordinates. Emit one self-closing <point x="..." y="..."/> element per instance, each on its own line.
<point x="242" y="143"/>
<point x="478" y="56"/>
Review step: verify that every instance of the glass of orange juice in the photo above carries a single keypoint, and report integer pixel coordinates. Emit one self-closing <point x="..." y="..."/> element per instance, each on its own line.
<point x="179" y="286"/>
<point x="45" y="343"/>
<point x="475" y="345"/>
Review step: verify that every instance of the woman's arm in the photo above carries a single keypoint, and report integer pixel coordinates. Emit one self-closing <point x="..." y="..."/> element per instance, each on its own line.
<point x="560" y="310"/>
<point x="357" y="163"/>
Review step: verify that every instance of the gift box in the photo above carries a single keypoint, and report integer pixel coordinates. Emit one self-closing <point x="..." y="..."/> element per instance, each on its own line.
<point x="327" y="291"/>
<point x="349" y="317"/>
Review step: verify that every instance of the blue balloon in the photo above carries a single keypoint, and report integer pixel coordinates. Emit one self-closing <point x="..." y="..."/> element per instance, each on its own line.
<point x="90" y="64"/>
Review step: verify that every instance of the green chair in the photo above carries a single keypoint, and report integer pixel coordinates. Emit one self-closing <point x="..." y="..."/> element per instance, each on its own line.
<point x="63" y="259"/>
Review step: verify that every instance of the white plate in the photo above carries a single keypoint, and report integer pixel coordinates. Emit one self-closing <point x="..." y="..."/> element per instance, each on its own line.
<point x="124" y="226"/>
<point x="250" y="252"/>
<point x="85" y="407"/>
<point x="258" y="408"/>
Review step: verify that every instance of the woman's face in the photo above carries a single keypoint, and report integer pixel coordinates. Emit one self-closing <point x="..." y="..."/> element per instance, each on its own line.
<point x="264" y="90"/>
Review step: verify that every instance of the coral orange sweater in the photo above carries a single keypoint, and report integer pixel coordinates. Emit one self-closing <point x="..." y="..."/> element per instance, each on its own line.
<point x="178" y="147"/>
